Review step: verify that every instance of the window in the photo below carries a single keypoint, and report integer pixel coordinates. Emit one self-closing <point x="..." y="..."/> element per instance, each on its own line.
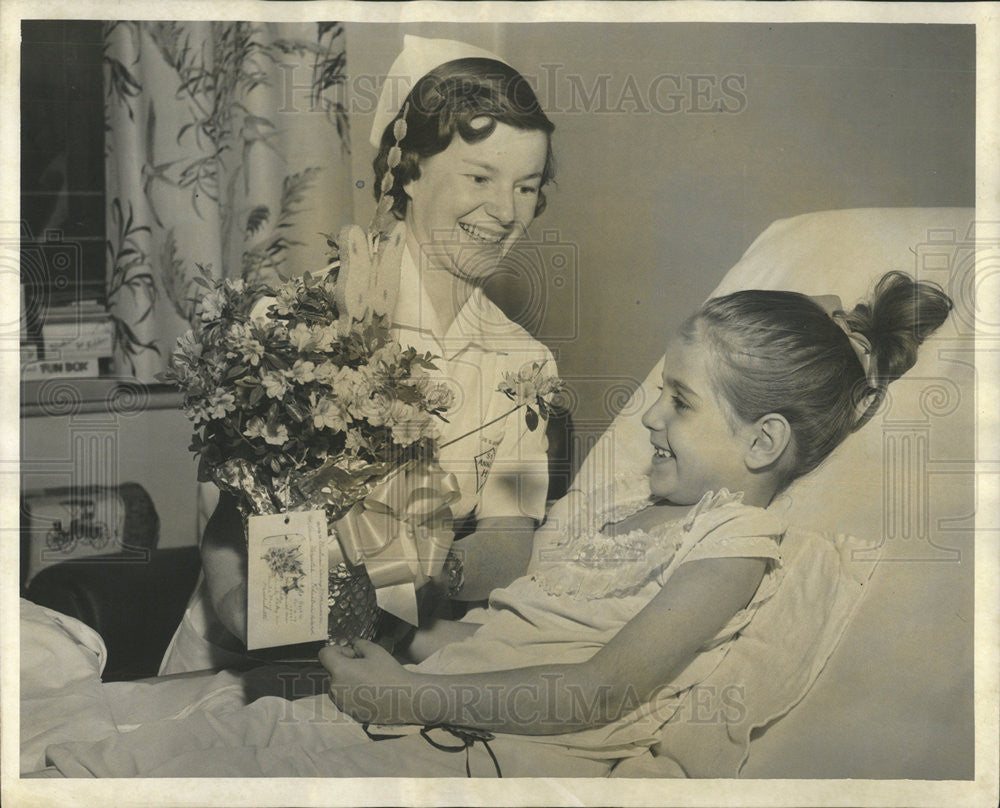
<point x="62" y="165"/>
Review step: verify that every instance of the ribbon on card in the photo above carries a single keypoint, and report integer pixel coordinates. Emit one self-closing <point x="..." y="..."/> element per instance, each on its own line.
<point x="401" y="532"/>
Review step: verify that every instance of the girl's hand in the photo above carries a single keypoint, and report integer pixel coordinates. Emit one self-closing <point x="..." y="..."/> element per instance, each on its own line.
<point x="368" y="684"/>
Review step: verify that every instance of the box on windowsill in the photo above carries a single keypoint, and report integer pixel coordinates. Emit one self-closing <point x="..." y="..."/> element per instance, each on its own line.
<point x="78" y="338"/>
<point x="86" y="367"/>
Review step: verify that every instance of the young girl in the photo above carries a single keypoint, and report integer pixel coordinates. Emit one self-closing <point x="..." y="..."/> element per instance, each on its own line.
<point x="580" y="663"/>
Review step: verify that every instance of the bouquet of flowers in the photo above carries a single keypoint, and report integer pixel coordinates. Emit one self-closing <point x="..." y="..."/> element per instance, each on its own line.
<point x="298" y="405"/>
<point x="302" y="398"/>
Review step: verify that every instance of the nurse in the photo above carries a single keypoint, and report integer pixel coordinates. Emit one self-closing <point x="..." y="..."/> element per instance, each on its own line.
<point x="476" y="157"/>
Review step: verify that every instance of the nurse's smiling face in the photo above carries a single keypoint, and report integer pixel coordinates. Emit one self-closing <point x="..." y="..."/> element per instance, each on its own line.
<point x="473" y="200"/>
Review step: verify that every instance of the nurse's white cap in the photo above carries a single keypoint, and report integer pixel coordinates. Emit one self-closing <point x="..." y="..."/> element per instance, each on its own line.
<point x="418" y="58"/>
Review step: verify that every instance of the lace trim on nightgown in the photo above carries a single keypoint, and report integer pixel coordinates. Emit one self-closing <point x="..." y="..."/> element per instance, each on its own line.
<point x="593" y="565"/>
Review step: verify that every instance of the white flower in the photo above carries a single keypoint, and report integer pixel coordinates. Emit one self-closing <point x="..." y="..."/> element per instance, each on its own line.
<point x="236" y="285"/>
<point x="436" y="395"/>
<point x="327" y="414"/>
<point x="529" y="385"/>
<point x="253" y="351"/>
<point x="353" y="442"/>
<point x="302" y="372"/>
<point x="275" y="384"/>
<point x="302" y="337"/>
<point x="286" y="300"/>
<point x="348" y="382"/>
<point x="278" y="436"/>
<point x="370" y="405"/>
<point x="244" y="345"/>
<point x="408" y="424"/>
<point x="211" y="305"/>
<point x="220" y="403"/>
<point x="326" y="372"/>
<point x="325" y="336"/>
<point x="390" y="354"/>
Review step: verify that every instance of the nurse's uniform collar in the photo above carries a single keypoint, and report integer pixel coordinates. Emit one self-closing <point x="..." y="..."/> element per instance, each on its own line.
<point x="479" y="322"/>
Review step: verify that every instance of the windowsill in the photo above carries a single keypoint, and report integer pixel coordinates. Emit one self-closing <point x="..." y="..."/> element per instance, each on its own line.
<point x="61" y="397"/>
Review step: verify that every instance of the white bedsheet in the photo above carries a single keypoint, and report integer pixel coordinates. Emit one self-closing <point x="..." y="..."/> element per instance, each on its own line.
<point x="218" y="724"/>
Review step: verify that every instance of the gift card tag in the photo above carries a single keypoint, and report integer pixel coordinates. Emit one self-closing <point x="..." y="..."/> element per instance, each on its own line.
<point x="287" y="579"/>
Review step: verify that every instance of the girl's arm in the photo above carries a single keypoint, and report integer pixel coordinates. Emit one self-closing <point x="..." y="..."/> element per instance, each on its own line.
<point x="437" y="634"/>
<point x="649" y="651"/>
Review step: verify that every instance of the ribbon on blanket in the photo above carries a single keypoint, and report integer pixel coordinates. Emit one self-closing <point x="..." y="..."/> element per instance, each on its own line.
<point x="401" y="532"/>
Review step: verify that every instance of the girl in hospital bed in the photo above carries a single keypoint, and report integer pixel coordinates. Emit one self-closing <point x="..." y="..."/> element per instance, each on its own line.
<point x="630" y="602"/>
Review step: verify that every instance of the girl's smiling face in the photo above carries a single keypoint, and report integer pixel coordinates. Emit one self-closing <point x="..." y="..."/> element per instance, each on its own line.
<point x="699" y="444"/>
<point x="473" y="200"/>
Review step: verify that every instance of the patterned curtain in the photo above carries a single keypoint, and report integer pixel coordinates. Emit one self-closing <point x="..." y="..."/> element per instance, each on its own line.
<point x="226" y="148"/>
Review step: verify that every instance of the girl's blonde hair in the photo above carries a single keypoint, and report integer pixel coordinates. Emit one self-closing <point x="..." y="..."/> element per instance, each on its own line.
<point x="782" y="352"/>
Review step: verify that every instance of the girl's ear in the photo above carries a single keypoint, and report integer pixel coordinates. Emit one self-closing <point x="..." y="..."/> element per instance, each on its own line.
<point x="771" y="435"/>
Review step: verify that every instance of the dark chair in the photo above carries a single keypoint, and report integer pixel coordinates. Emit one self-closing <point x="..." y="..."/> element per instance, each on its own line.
<point x="133" y="599"/>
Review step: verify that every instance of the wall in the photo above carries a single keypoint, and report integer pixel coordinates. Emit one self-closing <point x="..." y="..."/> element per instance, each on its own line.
<point x="657" y="204"/>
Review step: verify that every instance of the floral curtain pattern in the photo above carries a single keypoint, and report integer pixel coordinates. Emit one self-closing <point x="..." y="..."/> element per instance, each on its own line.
<point x="227" y="148"/>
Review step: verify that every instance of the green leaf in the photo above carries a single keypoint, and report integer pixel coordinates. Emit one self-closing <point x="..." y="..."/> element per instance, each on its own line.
<point x="531" y="419"/>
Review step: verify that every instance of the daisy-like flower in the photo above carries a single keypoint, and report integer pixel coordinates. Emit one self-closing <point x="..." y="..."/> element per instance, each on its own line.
<point x="276" y="436"/>
<point x="274" y="383"/>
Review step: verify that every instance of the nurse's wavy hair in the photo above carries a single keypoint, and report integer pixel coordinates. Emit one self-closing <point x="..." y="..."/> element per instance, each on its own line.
<point x="782" y="352"/>
<point x="445" y="102"/>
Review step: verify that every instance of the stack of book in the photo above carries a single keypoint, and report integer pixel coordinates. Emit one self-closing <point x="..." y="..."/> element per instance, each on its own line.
<point x="77" y="341"/>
